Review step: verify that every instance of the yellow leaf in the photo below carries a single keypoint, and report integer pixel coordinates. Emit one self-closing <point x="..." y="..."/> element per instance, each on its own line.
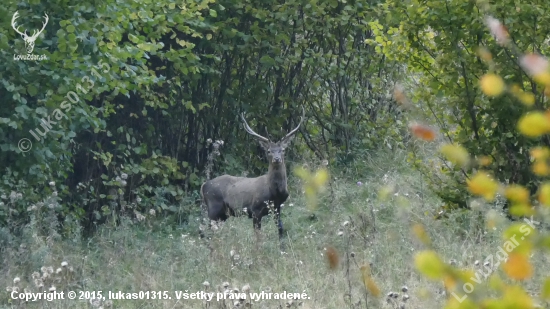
<point x="527" y="98"/>
<point x="483" y="185"/>
<point x="484" y="160"/>
<point x="429" y="263"/>
<point x="517" y="194"/>
<point x="518" y="239"/>
<point x="492" y="84"/>
<point x="365" y="270"/>
<point x="484" y="54"/>
<point x="320" y="178"/>
<point x="370" y="285"/>
<point x="540" y="153"/>
<point x="544" y="194"/>
<point x="518" y="267"/>
<point x="456" y="154"/>
<point x="491" y="223"/>
<point x="309" y="191"/>
<point x="521" y="231"/>
<point x="421" y="234"/>
<point x="385" y="192"/>
<point x="542" y="78"/>
<point x="460" y="303"/>
<point x="540" y="168"/>
<point x="424" y="294"/>
<point x="515" y="89"/>
<point x="311" y="197"/>
<point x="522" y="209"/>
<point x="302" y="173"/>
<point x="399" y="95"/>
<point x="516" y="297"/>
<point x="449" y="282"/>
<point x="464" y="275"/>
<point x="545" y="294"/>
<point x="534" y="124"/>
<point x="313" y="184"/>
<point x="496" y="283"/>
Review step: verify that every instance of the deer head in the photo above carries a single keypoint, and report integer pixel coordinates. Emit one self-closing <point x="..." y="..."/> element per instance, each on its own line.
<point x="275" y="151"/>
<point x="29" y="40"/>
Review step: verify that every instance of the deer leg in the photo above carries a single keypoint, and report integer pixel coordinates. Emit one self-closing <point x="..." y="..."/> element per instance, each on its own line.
<point x="279" y="223"/>
<point x="257" y="222"/>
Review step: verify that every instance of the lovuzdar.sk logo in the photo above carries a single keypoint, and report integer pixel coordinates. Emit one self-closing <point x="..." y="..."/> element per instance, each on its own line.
<point x="29" y="40"/>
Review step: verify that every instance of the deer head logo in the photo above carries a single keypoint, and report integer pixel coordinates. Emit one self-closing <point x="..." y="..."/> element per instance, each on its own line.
<point x="29" y="40"/>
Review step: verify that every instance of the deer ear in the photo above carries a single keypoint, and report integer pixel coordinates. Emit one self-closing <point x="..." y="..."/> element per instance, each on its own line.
<point x="265" y="145"/>
<point x="286" y="141"/>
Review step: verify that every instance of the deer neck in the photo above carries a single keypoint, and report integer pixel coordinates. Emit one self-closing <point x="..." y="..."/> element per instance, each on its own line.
<point x="277" y="178"/>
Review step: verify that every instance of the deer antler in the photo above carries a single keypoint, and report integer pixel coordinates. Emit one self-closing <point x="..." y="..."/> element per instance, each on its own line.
<point x="251" y="132"/>
<point x="34" y="34"/>
<point x="296" y="129"/>
<point x="13" y="24"/>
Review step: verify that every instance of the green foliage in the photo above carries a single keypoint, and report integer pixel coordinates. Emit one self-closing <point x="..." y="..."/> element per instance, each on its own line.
<point x="136" y="89"/>
<point x="99" y="57"/>
<point x="439" y="44"/>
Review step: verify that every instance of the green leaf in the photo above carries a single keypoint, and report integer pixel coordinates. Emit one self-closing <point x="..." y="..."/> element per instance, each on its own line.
<point x="32" y="90"/>
<point x="267" y="60"/>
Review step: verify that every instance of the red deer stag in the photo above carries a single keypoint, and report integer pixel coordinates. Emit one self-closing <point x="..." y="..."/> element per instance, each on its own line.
<point x="227" y="195"/>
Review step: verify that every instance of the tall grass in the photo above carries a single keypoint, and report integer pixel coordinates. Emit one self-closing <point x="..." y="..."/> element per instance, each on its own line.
<point x="364" y="230"/>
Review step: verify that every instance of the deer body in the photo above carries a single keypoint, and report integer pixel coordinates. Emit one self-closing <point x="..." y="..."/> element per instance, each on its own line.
<point x="227" y="195"/>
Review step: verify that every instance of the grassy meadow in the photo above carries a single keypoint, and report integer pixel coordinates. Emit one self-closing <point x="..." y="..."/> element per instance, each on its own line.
<point x="356" y="226"/>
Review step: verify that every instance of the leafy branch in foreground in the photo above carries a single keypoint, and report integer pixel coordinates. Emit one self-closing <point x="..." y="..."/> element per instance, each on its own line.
<point x="521" y="239"/>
